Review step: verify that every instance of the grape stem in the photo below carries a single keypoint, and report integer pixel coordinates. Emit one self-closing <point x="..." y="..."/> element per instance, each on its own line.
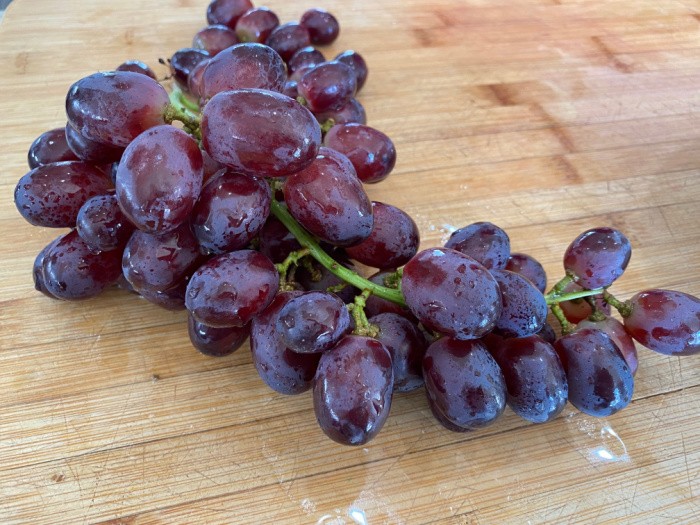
<point x="177" y="110"/>
<point x="566" y="326"/>
<point x="623" y="307"/>
<point x="362" y="324"/>
<point x="556" y="298"/>
<point x="292" y="260"/>
<point x="350" y="277"/>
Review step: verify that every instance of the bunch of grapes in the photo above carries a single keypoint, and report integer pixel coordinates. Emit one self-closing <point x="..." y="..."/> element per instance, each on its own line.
<point x="240" y="197"/>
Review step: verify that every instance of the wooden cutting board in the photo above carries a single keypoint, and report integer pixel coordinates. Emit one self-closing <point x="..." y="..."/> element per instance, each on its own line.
<point x="546" y="117"/>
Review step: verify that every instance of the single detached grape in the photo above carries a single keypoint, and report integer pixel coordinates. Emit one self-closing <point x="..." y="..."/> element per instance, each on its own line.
<point x="232" y="288"/>
<point x="535" y="379"/>
<point x="50" y="147"/>
<point x="328" y="199"/>
<point x="616" y="330"/>
<point x="357" y="64"/>
<point x="351" y="113"/>
<point x="256" y="25"/>
<point x="288" y="38"/>
<point x="464" y="383"/>
<point x="159" y="179"/>
<point x="102" y="224"/>
<point x="353" y="390"/>
<point x="91" y="150"/>
<point x="306" y="56"/>
<point x="259" y="132"/>
<point x="51" y="195"/>
<point x="322" y="26"/>
<point x="451" y="293"/>
<point x="328" y="86"/>
<point x="115" y="107"/>
<point x="136" y="66"/>
<point x="216" y="342"/>
<point x="227" y="12"/>
<point x="313" y="322"/>
<point x="393" y="241"/>
<point x="214" y="39"/>
<point x="597" y="257"/>
<point x="600" y="380"/>
<point x="371" y="152"/>
<point x="483" y="241"/>
<point x="665" y="321"/>
<point x="524" y="309"/>
<point x="528" y="267"/>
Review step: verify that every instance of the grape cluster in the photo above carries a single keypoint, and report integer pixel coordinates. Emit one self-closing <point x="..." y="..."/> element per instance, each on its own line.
<point x="251" y="212"/>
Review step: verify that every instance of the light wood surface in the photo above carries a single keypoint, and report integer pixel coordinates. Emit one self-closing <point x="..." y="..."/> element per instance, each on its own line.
<point x="545" y="117"/>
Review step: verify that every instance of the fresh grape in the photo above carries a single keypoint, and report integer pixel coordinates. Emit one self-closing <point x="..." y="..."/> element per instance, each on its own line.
<point x="547" y="333"/>
<point x="172" y="299"/>
<point x="276" y="241"/>
<point x="524" y="309"/>
<point x="371" y="152"/>
<point x="159" y="179"/>
<point x="50" y="147"/>
<point x="227" y="12"/>
<point x="597" y="257"/>
<point x="256" y="25"/>
<point x="195" y="82"/>
<point x="665" y="321"/>
<point x="136" y="66"/>
<point x="328" y="86"/>
<point x="528" y="267"/>
<point x="350" y="113"/>
<point x="184" y="61"/>
<point x="216" y="342"/>
<point x="214" y="39"/>
<point x="483" y="241"/>
<point x="451" y="293"/>
<point x="616" y="330"/>
<point x="288" y="38"/>
<point x="232" y="288"/>
<point x="306" y="56"/>
<point x="357" y="64"/>
<point x="290" y="89"/>
<point x="322" y="26"/>
<point x="91" y="150"/>
<point x="102" y="224"/>
<point x="353" y="390"/>
<point x="260" y="133"/>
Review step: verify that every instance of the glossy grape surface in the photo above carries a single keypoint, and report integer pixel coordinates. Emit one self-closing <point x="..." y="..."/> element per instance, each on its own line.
<point x="328" y="86"/>
<point x="597" y="257"/>
<point x="159" y="179"/>
<point x="451" y="293"/>
<point x="616" y="330"/>
<point x="172" y="299"/>
<point x="352" y="112"/>
<point x="665" y="321"/>
<point x="528" y="267"/>
<point x="535" y="379"/>
<point x="328" y="199"/>
<point x="115" y="107"/>
<point x="353" y="390"/>
<point x="136" y="66"/>
<point x="524" y="309"/>
<point x="232" y="288"/>
<point x="371" y="152"/>
<point x="231" y="210"/>
<point x="306" y="56"/>
<point x="288" y="38"/>
<point x="282" y="369"/>
<point x="72" y="270"/>
<point x="483" y="241"/>
<point x="184" y="61"/>
<point x="260" y="132"/>
<point x="214" y="39"/>
<point x="357" y="64"/>
<point x="38" y="269"/>
<point x="256" y="25"/>
<point x="275" y="240"/>
<point x="600" y="380"/>
<point x="393" y="241"/>
<point x="50" y="147"/>
<point x="227" y="12"/>
<point x="102" y="224"/>
<point x="464" y="383"/>
<point x="313" y="322"/>
<point x="250" y="65"/>
<point x="216" y="342"/>
<point x="51" y="195"/>
<point x="195" y="81"/>
<point x="91" y="150"/>
<point x="323" y="27"/>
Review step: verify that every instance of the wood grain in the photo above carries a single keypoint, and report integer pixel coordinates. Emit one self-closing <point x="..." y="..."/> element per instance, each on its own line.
<point x="546" y="117"/>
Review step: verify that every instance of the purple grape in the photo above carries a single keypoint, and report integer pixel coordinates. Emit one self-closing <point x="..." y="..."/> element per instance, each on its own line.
<point x="256" y="25"/>
<point x="102" y="224"/>
<point x="451" y="293"/>
<point x="306" y="56"/>
<point x="351" y="113"/>
<point x="216" y="342"/>
<point x="38" y="269"/>
<point x="597" y="257"/>
<point x="290" y="89"/>
<point x="184" y="61"/>
<point x="393" y="241"/>
<point x="464" y="383"/>
<point x="172" y="299"/>
<point x="327" y="86"/>
<point x="159" y="179"/>
<point x="616" y="330"/>
<point x="548" y="334"/>
<point x="136" y="66"/>
<point x="524" y="309"/>
<point x="299" y="72"/>
<point x="232" y="288"/>
<point x="282" y="369"/>
<point x="91" y="150"/>
<point x="276" y="241"/>
<point x="115" y="107"/>
<point x="534" y="377"/>
<point x="529" y="268"/>
<point x="371" y="152"/>
<point x="483" y="241"/>
<point x="260" y="133"/>
<point x="195" y="82"/>
<point x="665" y="321"/>
<point x="357" y="64"/>
<point x="51" y="195"/>
<point x="214" y="38"/>
<point x="322" y="26"/>
<point x="288" y="38"/>
<point x="50" y="147"/>
<point x="353" y="390"/>
<point x="227" y="12"/>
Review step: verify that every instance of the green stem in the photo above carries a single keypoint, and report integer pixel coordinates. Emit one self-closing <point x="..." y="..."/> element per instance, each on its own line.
<point x="291" y="261"/>
<point x="597" y="314"/>
<point x="624" y="308"/>
<point x="566" y="326"/>
<point x="350" y="277"/>
<point x="559" y="287"/>
<point x="362" y="324"/>
<point x="184" y="101"/>
<point x="177" y="110"/>
<point x="554" y="298"/>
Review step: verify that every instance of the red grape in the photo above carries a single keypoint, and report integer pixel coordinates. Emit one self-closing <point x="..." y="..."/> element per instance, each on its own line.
<point x="371" y="152"/>
<point x="214" y="38"/>
<point x="50" y="147"/>
<point x="216" y="342"/>
<point x="288" y="38"/>
<point x="91" y="150"/>
<point x="136" y="66"/>
<point x="616" y="330"/>
<point x="327" y="86"/>
<point x="528" y="267"/>
<point x="597" y="257"/>
<point x="483" y="241"/>
<point x="357" y="64"/>
<point x="256" y="25"/>
<point x="102" y="224"/>
<point x="322" y="26"/>
<point x="524" y="309"/>
<point x="227" y="12"/>
<point x="351" y="113"/>
<point x="306" y="56"/>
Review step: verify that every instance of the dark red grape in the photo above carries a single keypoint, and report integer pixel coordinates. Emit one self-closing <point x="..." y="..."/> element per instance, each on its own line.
<point x="159" y="179"/>
<point x="665" y="321"/>
<point x="50" y="147"/>
<point x="227" y="12"/>
<point x="306" y="56"/>
<point x="91" y="150"/>
<point x="216" y="342"/>
<point x="231" y="210"/>
<point x="300" y="72"/>
<point x="464" y="383"/>
<point x="290" y="89"/>
<point x="250" y="65"/>
<point x="275" y="240"/>
<point x="524" y="309"/>
<point x="321" y="279"/>
<point x="451" y="293"/>
<point x="256" y="25"/>
<point x="214" y="38"/>
<point x="172" y="299"/>
<point x="616" y="330"/>
<point x="115" y="107"/>
<point x="260" y="133"/>
<point x="547" y="333"/>
<point x="350" y="113"/>
<point x="184" y="61"/>
<point x="328" y="199"/>
<point x="232" y="288"/>
<point x="72" y="270"/>
<point x="597" y="257"/>
<point x="600" y="380"/>
<point x="288" y="38"/>
<point x="376" y="305"/>
<point x="358" y="65"/>
<point x="38" y="269"/>
<point x="528" y="267"/>
<point x="327" y="86"/>
<point x="483" y="241"/>
<point x="136" y="66"/>
<point x="323" y="26"/>
<point x="282" y="369"/>
<point x="353" y="390"/>
<point x="51" y="195"/>
<point x="577" y="310"/>
<point x="393" y="241"/>
<point x="535" y="379"/>
<point x="371" y="152"/>
<point x="407" y="346"/>
<point x="159" y="262"/>
<point x="102" y="224"/>
<point x="210" y="167"/>
<point x="195" y="82"/>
